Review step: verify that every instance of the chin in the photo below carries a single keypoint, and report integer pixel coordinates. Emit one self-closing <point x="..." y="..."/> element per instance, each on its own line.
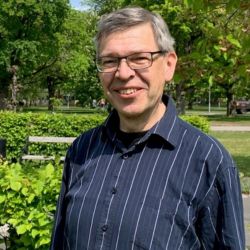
<point x="130" y="113"/>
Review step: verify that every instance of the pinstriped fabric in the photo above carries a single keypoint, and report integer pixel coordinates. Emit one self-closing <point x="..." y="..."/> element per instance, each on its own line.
<point x="107" y="217"/>
<point x="126" y="202"/>
<point x="164" y="191"/>
<point x="98" y="199"/>
<point x="176" y="188"/>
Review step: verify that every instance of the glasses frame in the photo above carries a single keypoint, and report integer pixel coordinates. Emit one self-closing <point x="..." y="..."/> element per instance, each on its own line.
<point x="112" y="70"/>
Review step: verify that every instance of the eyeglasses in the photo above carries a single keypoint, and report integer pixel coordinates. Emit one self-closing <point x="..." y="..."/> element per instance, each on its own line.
<point x="142" y="60"/>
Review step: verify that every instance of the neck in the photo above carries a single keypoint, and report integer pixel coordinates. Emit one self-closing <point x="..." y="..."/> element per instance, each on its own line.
<point x="143" y="122"/>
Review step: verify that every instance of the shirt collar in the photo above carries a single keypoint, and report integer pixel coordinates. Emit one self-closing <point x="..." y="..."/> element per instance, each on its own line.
<point x="167" y="128"/>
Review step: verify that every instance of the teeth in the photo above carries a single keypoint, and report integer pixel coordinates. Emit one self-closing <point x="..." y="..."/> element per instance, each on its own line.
<point x="127" y="91"/>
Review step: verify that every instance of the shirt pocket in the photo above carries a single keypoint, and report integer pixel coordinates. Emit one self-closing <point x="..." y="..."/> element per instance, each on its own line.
<point x="165" y="224"/>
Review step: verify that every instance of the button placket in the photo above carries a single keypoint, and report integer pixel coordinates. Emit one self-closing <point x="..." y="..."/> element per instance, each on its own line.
<point x="104" y="228"/>
<point x="114" y="190"/>
<point x="125" y="156"/>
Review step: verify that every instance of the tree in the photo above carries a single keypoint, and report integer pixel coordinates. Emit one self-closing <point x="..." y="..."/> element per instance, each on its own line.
<point x="28" y="32"/>
<point x="77" y="56"/>
<point x="226" y="59"/>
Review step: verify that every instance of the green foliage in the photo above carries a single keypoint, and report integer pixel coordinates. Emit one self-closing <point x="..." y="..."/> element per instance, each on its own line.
<point x="28" y="31"/>
<point x="74" y="70"/>
<point x="16" y="127"/>
<point x="197" y="121"/>
<point x="245" y="184"/>
<point x="28" y="196"/>
<point x="207" y="5"/>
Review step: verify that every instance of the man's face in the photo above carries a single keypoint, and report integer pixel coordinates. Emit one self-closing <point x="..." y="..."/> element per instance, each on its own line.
<point x="135" y="93"/>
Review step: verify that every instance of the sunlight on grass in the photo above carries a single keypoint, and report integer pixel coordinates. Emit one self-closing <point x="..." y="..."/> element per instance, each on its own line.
<point x="238" y="144"/>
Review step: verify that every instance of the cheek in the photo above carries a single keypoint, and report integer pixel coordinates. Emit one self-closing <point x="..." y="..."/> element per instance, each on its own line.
<point x="158" y="80"/>
<point x="105" y="81"/>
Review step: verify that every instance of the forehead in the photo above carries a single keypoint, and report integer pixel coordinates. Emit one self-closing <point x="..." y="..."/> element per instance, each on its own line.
<point x="139" y="38"/>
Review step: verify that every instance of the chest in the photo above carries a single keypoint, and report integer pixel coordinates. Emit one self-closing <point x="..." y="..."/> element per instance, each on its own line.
<point x="145" y="195"/>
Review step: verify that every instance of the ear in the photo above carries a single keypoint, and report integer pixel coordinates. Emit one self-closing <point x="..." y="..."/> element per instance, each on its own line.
<point x="170" y="64"/>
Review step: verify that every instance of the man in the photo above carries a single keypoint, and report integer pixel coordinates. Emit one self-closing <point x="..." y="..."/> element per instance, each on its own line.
<point x="145" y="179"/>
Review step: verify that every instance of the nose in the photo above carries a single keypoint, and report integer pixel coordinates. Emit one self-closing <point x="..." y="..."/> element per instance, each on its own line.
<point x="124" y="71"/>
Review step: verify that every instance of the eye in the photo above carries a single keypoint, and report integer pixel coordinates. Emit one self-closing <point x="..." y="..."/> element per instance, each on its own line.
<point x="108" y="61"/>
<point x="140" y="58"/>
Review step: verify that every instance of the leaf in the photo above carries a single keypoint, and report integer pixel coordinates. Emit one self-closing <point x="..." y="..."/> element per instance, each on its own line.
<point x="42" y="241"/>
<point x="49" y="169"/>
<point x="2" y="198"/>
<point x="234" y="41"/>
<point x="210" y="80"/>
<point x="13" y="221"/>
<point x="42" y="222"/>
<point x="15" y="185"/>
<point x="34" y="233"/>
<point x="21" y="229"/>
<point x="225" y="56"/>
<point x="31" y="198"/>
<point x="25" y="191"/>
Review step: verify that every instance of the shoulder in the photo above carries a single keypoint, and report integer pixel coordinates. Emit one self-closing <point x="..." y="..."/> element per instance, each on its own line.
<point x="214" y="153"/>
<point x="83" y="143"/>
<point x="88" y="135"/>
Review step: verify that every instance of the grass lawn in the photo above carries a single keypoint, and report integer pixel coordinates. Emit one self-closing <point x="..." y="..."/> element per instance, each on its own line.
<point x="238" y="144"/>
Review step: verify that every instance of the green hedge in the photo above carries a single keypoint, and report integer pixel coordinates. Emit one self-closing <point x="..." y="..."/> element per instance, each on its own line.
<point x="16" y="127"/>
<point x="197" y="121"/>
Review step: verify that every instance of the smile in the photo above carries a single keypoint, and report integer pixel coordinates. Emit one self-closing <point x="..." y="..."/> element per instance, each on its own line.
<point x="127" y="91"/>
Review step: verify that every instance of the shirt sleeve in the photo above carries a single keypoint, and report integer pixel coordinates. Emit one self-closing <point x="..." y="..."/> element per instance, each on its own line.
<point x="220" y="223"/>
<point x="59" y="219"/>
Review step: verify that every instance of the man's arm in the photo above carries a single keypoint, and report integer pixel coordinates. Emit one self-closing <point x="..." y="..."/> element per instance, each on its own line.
<point x="59" y="219"/>
<point x="220" y="223"/>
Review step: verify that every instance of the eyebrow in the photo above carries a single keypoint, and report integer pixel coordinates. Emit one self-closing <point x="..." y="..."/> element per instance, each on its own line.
<point x="128" y="54"/>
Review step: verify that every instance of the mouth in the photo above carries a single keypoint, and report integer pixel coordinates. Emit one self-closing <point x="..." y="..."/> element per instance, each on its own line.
<point x="127" y="91"/>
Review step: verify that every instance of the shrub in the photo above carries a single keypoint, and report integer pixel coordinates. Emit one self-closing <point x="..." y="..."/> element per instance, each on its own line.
<point x="197" y="121"/>
<point x="16" y="127"/>
<point x="28" y="196"/>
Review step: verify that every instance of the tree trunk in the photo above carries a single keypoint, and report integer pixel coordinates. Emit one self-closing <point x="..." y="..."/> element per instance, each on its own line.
<point x="14" y="87"/>
<point x="180" y="98"/>
<point x="3" y="98"/>
<point x="51" y="93"/>
<point x="229" y="101"/>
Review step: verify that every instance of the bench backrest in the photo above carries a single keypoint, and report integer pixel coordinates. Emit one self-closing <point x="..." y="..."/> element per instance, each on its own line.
<point x="44" y="139"/>
<point x="51" y="139"/>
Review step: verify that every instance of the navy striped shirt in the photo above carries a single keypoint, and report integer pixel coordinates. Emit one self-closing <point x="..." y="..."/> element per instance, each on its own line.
<point x="176" y="188"/>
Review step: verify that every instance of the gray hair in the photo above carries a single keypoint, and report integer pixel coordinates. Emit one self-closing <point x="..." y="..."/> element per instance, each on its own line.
<point x="125" y="18"/>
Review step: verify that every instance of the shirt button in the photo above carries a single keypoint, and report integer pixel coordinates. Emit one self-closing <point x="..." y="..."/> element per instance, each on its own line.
<point x="104" y="228"/>
<point x="114" y="190"/>
<point x="125" y="156"/>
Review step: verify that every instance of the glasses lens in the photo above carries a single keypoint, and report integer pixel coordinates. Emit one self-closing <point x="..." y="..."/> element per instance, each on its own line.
<point x="107" y="64"/>
<point x="139" y="60"/>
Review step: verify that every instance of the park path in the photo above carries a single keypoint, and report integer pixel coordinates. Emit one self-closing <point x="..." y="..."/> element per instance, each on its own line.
<point x="229" y="128"/>
<point x="246" y="203"/>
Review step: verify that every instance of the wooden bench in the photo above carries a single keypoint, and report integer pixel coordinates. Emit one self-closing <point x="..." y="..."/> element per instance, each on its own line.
<point x="44" y="139"/>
